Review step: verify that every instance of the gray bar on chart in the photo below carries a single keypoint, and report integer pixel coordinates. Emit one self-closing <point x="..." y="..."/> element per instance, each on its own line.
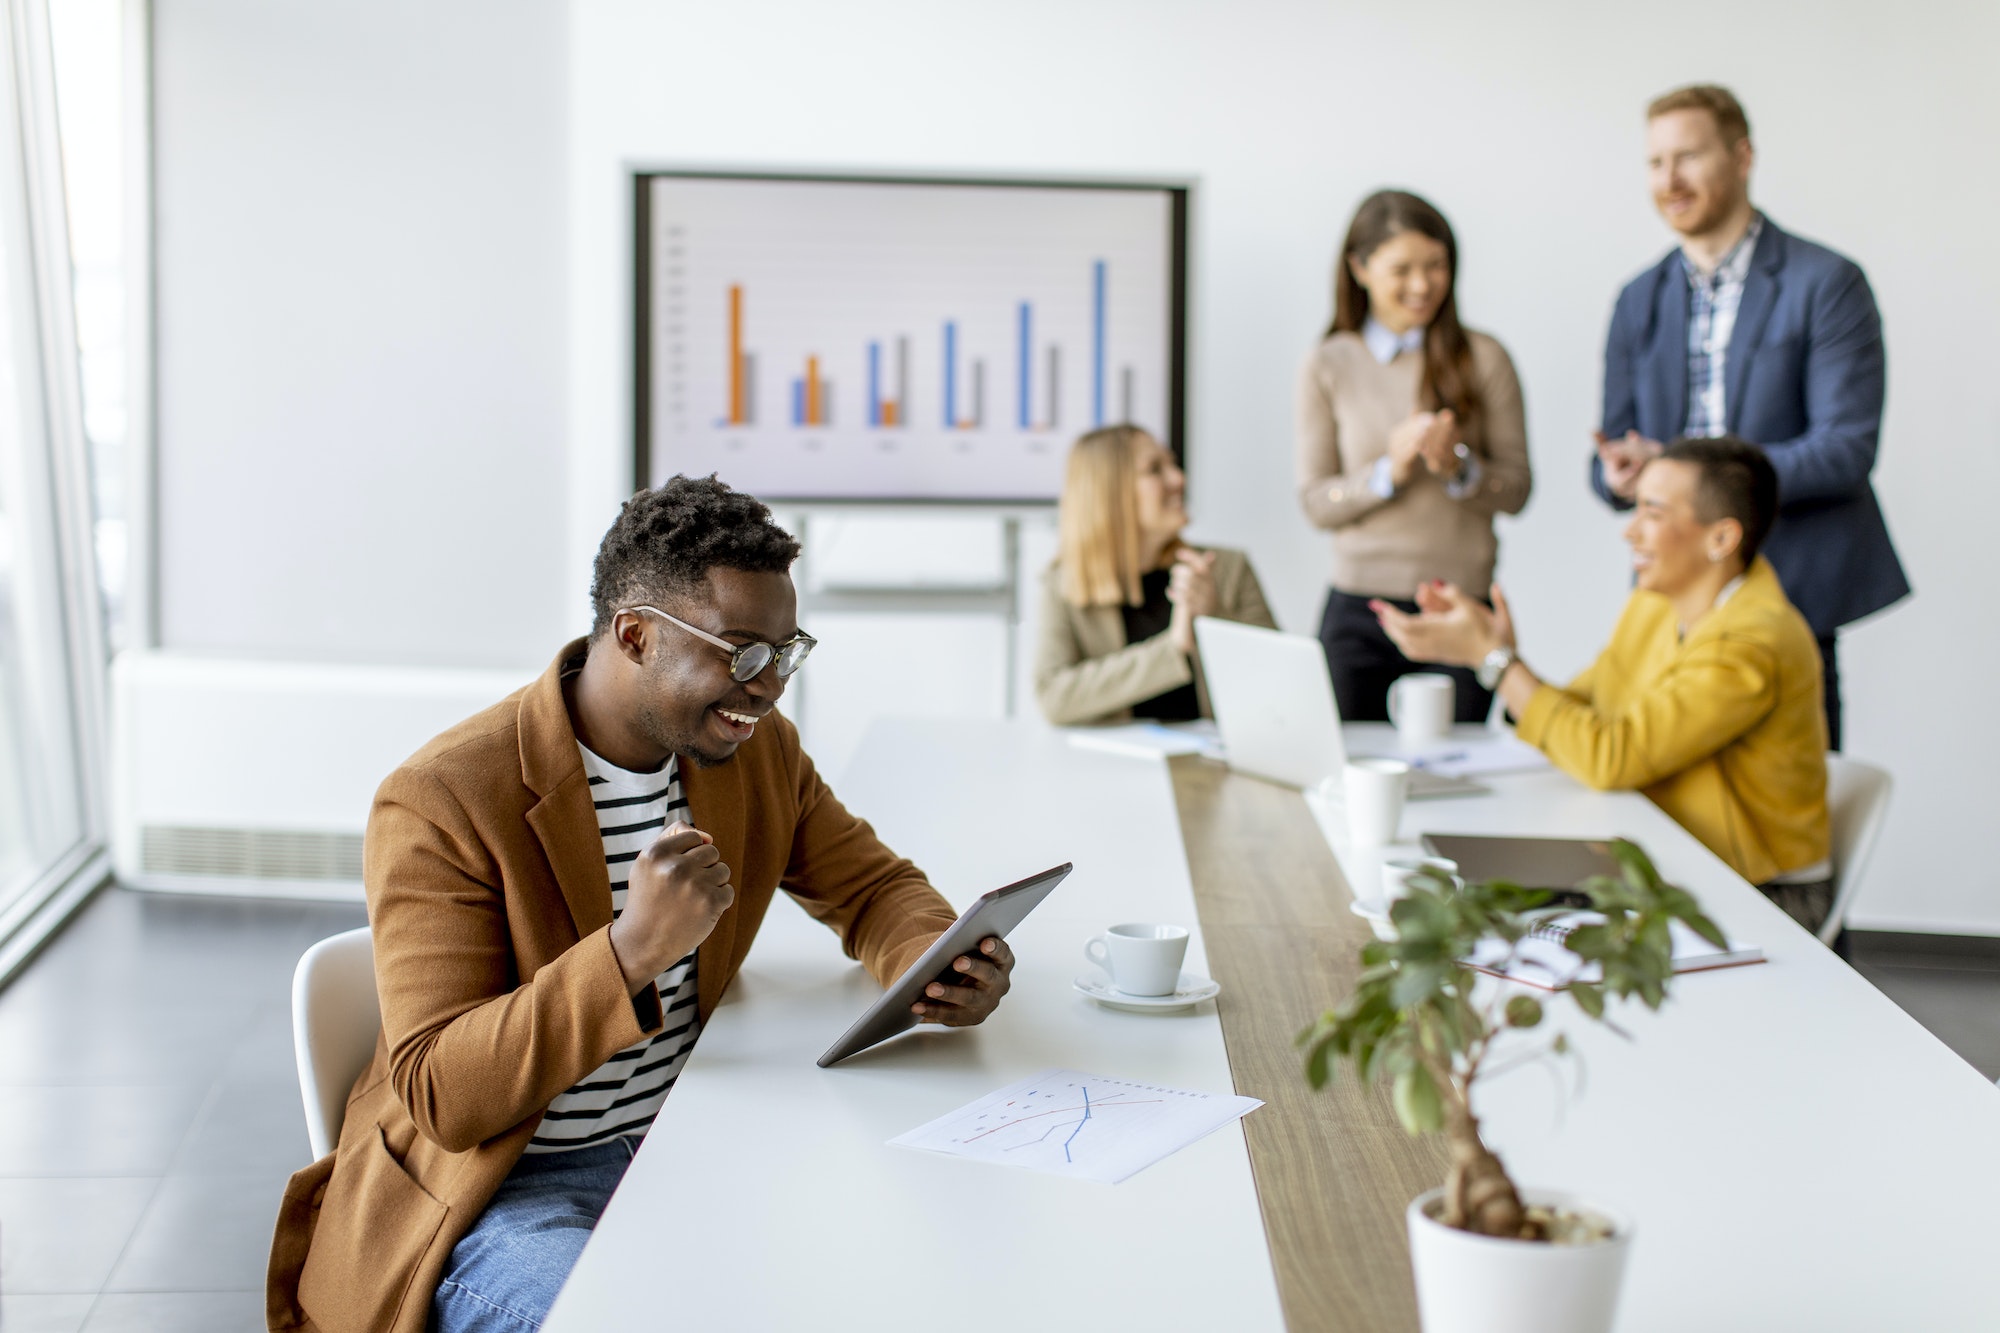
<point x="1125" y="394"/>
<point x="1055" y="387"/>
<point x="826" y="402"/>
<point x="979" y="393"/>
<point x="902" y="381"/>
<point x="749" y="389"/>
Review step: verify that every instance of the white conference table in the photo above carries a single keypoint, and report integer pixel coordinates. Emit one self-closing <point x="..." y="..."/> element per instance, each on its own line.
<point x="766" y="1196"/>
<point x="1796" y="1152"/>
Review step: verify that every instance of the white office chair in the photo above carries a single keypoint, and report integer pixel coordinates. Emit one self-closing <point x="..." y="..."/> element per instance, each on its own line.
<point x="335" y="1019"/>
<point x="1857" y="799"/>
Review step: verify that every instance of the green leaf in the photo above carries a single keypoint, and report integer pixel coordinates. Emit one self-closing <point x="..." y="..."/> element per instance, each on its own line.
<point x="1417" y="982"/>
<point x="1417" y="1103"/>
<point x="1318" y="1068"/>
<point x="1593" y="941"/>
<point x="1703" y="927"/>
<point x="1523" y="1011"/>
<point x="1589" y="998"/>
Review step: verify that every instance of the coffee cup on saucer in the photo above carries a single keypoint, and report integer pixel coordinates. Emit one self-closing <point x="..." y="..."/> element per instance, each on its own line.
<point x="1396" y="872"/>
<point x="1142" y="958"/>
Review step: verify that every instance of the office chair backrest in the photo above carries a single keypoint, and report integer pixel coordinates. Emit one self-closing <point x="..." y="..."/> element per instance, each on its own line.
<point x="335" y="1020"/>
<point x="1857" y="799"/>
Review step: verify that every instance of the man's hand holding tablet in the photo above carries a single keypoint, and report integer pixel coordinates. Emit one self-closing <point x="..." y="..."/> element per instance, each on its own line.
<point x="983" y="977"/>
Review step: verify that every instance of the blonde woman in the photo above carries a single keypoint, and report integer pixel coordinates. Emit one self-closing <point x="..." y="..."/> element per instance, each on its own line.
<point x="1119" y="603"/>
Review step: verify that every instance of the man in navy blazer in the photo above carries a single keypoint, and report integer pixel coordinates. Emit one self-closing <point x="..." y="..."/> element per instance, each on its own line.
<point x="1750" y="331"/>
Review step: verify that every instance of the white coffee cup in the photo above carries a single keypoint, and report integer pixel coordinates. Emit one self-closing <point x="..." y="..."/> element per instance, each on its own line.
<point x="1396" y="873"/>
<point x="1375" y="799"/>
<point x="1422" y="706"/>
<point x="1142" y="958"/>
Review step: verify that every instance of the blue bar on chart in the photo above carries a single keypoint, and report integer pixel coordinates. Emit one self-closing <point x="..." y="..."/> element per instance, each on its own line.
<point x="1097" y="343"/>
<point x="1026" y="351"/>
<point x="950" y="375"/>
<point x="874" y="384"/>
<point x="798" y="402"/>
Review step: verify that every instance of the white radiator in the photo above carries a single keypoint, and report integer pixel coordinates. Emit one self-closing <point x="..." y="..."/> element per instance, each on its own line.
<point x="246" y="777"/>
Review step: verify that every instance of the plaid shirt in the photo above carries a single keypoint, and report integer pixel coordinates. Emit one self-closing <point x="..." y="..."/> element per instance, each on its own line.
<point x="1712" y="302"/>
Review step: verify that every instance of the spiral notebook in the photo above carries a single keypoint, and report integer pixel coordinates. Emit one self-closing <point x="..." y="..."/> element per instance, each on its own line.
<point x="1541" y="960"/>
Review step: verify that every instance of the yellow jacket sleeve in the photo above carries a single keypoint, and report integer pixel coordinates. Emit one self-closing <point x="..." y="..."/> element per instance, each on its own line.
<point x="1718" y="691"/>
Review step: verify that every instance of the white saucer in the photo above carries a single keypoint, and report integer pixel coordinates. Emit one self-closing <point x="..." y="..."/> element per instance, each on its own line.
<point x="1376" y="914"/>
<point x="1188" y="990"/>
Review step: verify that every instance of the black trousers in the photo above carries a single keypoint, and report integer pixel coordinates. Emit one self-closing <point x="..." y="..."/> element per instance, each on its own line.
<point x="1364" y="663"/>
<point x="1829" y="668"/>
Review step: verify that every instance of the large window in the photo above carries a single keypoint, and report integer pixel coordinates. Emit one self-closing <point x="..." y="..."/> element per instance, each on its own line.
<point x="51" y="642"/>
<point x="93" y="72"/>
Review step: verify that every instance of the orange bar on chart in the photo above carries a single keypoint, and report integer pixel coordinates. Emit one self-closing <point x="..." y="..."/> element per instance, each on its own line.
<point x="812" y="392"/>
<point x="889" y="414"/>
<point x="736" y="355"/>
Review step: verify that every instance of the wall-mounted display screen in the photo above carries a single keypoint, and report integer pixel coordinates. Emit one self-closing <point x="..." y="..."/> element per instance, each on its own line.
<point x="843" y="338"/>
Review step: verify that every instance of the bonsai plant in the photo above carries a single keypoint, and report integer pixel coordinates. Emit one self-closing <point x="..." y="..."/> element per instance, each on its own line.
<point x="1418" y="1019"/>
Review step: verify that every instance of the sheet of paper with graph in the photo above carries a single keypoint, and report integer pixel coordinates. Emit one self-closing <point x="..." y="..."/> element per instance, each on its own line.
<point x="1075" y="1124"/>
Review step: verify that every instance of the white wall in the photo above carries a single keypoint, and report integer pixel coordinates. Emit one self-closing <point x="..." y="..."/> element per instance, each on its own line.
<point x="360" y="275"/>
<point x="393" y="291"/>
<point x="1523" y="122"/>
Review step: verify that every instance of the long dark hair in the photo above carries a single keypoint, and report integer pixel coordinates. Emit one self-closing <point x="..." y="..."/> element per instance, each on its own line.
<point x="1447" y="378"/>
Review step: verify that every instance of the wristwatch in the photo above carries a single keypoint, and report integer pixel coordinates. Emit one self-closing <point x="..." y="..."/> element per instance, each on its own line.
<point x="1495" y="665"/>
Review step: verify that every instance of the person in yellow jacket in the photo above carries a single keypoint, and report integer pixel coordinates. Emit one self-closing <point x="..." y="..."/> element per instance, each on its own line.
<point x="1707" y="698"/>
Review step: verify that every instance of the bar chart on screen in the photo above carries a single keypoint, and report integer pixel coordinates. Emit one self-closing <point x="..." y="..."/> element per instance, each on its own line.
<point x="819" y="338"/>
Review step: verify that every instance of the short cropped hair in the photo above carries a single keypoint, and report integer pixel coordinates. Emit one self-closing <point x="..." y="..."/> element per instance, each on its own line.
<point x="1713" y="98"/>
<point x="667" y="539"/>
<point x="1737" y="481"/>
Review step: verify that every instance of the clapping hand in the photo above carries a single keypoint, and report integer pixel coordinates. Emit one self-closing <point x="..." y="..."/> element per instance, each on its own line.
<point x="1424" y="439"/>
<point x="1191" y="589"/>
<point x="1624" y="459"/>
<point x="1449" y="627"/>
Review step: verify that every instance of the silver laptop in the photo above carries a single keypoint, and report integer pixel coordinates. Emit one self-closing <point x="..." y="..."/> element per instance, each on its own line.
<point x="1273" y="702"/>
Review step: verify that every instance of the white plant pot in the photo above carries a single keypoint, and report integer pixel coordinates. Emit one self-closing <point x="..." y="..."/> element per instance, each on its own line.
<point x="1480" y="1284"/>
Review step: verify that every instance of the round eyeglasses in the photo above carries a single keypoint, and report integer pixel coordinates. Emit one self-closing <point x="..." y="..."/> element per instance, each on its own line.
<point x="748" y="660"/>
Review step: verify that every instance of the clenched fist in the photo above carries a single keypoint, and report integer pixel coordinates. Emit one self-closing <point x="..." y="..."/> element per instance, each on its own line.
<point x="678" y="890"/>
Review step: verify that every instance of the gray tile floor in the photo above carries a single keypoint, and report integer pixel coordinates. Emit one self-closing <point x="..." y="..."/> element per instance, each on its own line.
<point x="1951" y="989"/>
<point x="149" y="1104"/>
<point x="149" y="1113"/>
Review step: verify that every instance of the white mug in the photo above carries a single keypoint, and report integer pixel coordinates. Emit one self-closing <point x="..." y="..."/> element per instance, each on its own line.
<point x="1375" y="799"/>
<point x="1396" y="873"/>
<point x="1142" y="958"/>
<point x="1422" y="706"/>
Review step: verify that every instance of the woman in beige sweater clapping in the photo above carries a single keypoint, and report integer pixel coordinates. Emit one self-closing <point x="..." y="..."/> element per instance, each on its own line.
<point x="1411" y="438"/>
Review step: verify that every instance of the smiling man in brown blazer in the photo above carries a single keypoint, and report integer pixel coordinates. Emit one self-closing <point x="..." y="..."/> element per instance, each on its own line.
<point x="560" y="888"/>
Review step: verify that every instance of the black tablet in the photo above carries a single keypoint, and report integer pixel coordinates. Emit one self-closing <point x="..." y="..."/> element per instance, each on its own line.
<point x="993" y="913"/>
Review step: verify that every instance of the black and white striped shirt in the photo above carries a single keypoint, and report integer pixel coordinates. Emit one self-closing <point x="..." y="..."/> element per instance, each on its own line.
<point x="624" y="1093"/>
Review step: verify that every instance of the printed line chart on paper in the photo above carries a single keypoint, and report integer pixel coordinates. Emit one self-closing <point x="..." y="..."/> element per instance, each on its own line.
<point x="1075" y="1124"/>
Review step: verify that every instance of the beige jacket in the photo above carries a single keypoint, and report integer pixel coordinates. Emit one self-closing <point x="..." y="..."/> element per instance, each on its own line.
<point x="1348" y="404"/>
<point x="491" y="912"/>
<point x="1085" y="671"/>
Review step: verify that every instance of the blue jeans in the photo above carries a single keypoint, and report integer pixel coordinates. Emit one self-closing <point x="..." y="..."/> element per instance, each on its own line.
<point x="504" y="1273"/>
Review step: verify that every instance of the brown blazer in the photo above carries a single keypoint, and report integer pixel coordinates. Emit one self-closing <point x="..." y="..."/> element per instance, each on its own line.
<point x="491" y="913"/>
<point x="1085" y="671"/>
